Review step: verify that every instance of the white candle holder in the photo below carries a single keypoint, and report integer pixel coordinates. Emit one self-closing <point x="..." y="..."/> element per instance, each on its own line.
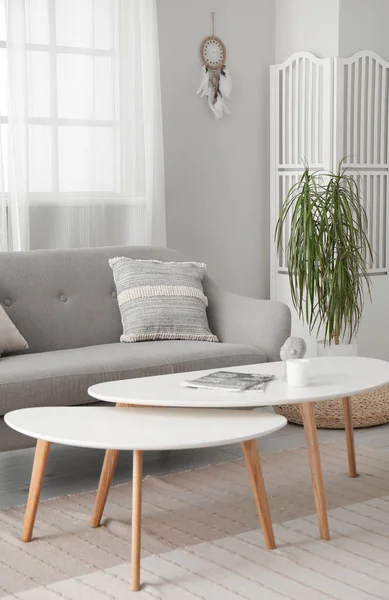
<point x="297" y="372"/>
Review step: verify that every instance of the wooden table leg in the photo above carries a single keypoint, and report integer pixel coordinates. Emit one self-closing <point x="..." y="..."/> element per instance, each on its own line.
<point x="250" y="451"/>
<point x="348" y="422"/>
<point x="136" y="519"/>
<point x="107" y="473"/>
<point x="308" y="416"/>
<point x="38" y="473"/>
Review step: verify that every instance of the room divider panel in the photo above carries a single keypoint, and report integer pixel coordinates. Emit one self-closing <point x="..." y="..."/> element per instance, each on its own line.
<point x="321" y="111"/>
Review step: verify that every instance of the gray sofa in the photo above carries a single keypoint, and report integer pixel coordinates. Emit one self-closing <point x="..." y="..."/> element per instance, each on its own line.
<point x="64" y="303"/>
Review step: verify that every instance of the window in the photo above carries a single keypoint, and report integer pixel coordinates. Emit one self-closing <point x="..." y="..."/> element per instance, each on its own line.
<point x="81" y="120"/>
<point x="71" y="87"/>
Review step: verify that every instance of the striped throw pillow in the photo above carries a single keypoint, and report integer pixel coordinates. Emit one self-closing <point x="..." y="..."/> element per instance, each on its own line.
<point x="161" y="300"/>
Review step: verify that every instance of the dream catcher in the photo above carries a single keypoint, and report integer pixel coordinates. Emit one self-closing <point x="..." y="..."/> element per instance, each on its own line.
<point x="216" y="80"/>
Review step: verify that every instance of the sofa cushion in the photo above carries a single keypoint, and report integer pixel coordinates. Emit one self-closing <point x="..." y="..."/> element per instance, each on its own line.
<point x="62" y="377"/>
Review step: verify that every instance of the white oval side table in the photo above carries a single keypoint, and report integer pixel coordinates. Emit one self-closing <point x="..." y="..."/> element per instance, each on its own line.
<point x="143" y="429"/>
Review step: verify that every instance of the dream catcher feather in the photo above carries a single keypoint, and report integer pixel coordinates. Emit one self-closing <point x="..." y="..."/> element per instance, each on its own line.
<point x="216" y="82"/>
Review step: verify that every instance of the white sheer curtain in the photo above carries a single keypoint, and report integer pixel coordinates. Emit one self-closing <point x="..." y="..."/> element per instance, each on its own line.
<point x="81" y="154"/>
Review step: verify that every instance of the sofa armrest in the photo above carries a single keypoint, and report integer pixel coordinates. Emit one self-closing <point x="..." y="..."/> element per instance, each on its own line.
<point x="237" y="319"/>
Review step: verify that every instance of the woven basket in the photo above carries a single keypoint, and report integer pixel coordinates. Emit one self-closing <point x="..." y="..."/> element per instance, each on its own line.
<point x="368" y="410"/>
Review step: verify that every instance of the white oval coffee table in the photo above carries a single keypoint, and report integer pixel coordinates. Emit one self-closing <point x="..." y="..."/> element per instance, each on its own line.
<point x="329" y="378"/>
<point x="143" y="429"/>
<point x="337" y="377"/>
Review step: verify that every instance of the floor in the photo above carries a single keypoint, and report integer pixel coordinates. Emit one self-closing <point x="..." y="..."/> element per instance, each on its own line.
<point x="72" y="470"/>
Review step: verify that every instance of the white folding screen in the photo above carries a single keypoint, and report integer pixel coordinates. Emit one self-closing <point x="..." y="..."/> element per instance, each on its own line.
<point x="321" y="111"/>
<point x="362" y="84"/>
<point x="301" y="122"/>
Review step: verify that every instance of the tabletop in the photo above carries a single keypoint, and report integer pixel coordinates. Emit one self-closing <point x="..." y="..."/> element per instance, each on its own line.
<point x="329" y="377"/>
<point x="142" y="428"/>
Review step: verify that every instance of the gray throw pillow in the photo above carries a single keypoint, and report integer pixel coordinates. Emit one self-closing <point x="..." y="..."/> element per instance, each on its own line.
<point x="11" y="340"/>
<point x="161" y="300"/>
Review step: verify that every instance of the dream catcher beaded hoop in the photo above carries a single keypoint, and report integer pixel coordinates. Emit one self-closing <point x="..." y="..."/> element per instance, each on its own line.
<point x="216" y="80"/>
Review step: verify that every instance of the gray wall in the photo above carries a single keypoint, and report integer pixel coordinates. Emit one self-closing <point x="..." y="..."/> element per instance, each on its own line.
<point x="331" y="28"/>
<point x="364" y="26"/>
<point x="217" y="172"/>
<point x="307" y="26"/>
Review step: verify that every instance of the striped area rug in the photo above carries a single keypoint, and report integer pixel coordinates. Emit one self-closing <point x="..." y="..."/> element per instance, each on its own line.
<point x="201" y="538"/>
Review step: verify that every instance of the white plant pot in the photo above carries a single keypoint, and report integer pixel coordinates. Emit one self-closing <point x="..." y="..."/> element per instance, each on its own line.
<point x="336" y="349"/>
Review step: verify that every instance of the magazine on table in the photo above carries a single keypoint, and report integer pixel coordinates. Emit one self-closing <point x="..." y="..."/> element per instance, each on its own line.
<point x="231" y="381"/>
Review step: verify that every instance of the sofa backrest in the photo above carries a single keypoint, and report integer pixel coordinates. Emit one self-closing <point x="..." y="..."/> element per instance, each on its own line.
<point x="62" y="299"/>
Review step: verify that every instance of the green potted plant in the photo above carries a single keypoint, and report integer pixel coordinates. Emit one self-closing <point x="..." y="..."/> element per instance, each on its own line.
<point x="328" y="253"/>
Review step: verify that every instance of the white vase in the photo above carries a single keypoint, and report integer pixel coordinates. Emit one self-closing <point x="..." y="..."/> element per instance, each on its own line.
<point x="336" y="349"/>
